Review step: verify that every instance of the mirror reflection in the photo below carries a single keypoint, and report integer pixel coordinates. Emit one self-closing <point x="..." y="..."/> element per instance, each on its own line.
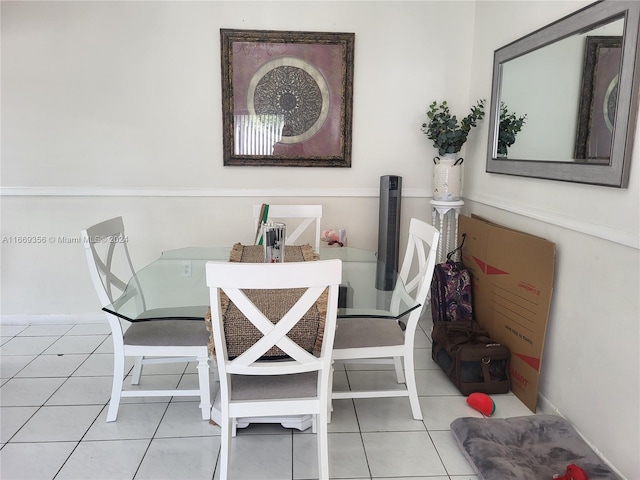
<point x="564" y="96"/>
<point x="575" y="84"/>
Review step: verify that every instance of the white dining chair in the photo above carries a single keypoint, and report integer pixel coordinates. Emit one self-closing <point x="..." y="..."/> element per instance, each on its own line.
<point x="149" y="342"/>
<point x="310" y="216"/>
<point x="297" y="383"/>
<point x="376" y="340"/>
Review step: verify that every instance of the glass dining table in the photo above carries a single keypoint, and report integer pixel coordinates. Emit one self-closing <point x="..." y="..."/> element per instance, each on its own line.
<point x="174" y="286"/>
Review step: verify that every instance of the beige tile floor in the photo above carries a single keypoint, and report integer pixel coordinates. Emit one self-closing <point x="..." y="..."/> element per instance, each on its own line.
<point x="55" y="387"/>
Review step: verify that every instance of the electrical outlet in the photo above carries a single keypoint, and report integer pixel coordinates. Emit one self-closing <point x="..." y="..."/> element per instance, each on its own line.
<point x="186" y="269"/>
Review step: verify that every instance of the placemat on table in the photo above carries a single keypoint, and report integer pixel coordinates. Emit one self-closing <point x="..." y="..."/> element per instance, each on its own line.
<point x="274" y="303"/>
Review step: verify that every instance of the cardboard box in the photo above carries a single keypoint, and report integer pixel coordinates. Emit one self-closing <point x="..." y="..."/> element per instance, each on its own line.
<point x="512" y="284"/>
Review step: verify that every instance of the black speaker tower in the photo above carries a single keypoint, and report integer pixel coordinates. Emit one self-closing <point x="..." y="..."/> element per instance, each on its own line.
<point x="388" y="231"/>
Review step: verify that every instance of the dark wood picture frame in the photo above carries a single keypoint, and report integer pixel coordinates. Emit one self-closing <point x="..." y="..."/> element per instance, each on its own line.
<point x="287" y="98"/>
<point x="598" y="98"/>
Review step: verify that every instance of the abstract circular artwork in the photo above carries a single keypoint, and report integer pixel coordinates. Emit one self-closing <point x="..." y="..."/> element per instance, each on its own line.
<point x="293" y="89"/>
<point x="287" y="98"/>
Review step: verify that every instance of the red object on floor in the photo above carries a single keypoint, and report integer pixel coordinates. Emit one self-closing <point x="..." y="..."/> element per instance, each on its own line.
<point x="482" y="402"/>
<point x="573" y="472"/>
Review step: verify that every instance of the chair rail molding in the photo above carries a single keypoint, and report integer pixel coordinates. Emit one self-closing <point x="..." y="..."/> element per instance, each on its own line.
<point x="604" y="232"/>
<point x="200" y="192"/>
<point x="628" y="239"/>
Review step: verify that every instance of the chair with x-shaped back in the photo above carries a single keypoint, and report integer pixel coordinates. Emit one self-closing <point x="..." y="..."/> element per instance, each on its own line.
<point x="298" y="382"/>
<point x="379" y="340"/>
<point x="156" y="341"/>
<point x="307" y="216"/>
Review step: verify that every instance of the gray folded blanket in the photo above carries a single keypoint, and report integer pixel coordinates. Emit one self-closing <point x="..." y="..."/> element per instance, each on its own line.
<point x="533" y="447"/>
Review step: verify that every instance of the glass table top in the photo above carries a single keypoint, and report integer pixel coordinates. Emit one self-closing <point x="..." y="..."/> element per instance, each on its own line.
<point x="174" y="286"/>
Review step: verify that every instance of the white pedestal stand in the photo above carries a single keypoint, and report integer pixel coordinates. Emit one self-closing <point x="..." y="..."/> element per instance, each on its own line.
<point x="445" y="219"/>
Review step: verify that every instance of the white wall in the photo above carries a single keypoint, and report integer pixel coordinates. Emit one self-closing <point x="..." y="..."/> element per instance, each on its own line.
<point x="113" y="108"/>
<point x="128" y="93"/>
<point x="591" y="359"/>
<point x="123" y="99"/>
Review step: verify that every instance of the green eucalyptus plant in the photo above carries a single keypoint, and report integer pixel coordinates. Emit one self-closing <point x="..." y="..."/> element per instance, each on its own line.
<point x="443" y="128"/>
<point x="510" y="125"/>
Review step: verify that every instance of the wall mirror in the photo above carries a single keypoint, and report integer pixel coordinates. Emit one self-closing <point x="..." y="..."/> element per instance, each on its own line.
<point x="574" y="83"/>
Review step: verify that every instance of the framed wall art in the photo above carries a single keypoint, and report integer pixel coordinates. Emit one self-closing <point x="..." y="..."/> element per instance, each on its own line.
<point x="598" y="98"/>
<point x="287" y="98"/>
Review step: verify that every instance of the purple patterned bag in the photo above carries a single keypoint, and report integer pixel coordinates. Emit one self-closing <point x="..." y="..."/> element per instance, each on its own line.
<point x="451" y="295"/>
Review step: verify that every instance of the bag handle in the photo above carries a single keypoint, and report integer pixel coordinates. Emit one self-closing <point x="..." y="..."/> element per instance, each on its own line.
<point x="459" y="333"/>
<point x="464" y="327"/>
<point x="479" y="337"/>
<point x="459" y="249"/>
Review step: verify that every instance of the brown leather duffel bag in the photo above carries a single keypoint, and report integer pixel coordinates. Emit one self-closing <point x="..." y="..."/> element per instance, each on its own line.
<point x="470" y="358"/>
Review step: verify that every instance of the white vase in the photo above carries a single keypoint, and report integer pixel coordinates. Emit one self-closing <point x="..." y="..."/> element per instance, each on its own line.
<point x="447" y="178"/>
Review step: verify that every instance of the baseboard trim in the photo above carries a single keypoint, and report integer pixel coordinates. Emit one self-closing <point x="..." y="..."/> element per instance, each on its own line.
<point x="546" y="407"/>
<point x="69" y="318"/>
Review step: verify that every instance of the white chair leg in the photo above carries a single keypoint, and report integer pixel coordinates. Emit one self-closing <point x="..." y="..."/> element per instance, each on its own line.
<point x="412" y="388"/>
<point x="329" y="397"/>
<point x="323" y="446"/>
<point x="116" y="386"/>
<point x="397" y="361"/>
<point x="225" y="446"/>
<point x="205" y="391"/>
<point x="137" y="371"/>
